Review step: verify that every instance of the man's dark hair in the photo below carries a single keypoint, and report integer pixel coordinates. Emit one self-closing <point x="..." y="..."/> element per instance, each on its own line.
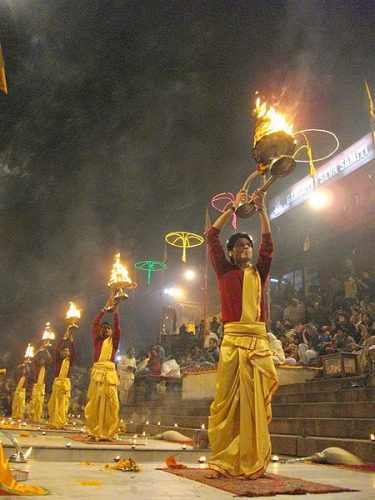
<point x="232" y="240"/>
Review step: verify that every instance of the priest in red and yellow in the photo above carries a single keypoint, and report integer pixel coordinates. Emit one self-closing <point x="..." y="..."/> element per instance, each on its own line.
<point x="102" y="408"/>
<point x="246" y="376"/>
<point x="58" y="404"/>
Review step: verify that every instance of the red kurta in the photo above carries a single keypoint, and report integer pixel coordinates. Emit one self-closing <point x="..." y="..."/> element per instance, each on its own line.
<point x="230" y="277"/>
<point x="63" y="344"/>
<point x="98" y="340"/>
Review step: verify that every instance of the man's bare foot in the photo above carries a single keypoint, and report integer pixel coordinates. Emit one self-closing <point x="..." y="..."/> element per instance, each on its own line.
<point x="213" y="474"/>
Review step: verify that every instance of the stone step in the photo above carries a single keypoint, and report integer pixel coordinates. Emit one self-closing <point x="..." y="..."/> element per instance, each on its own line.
<point x="347" y="395"/>
<point x="107" y="454"/>
<point x="354" y="428"/>
<point x="326" y="384"/>
<point x="299" y="446"/>
<point x="361" y="409"/>
<point x="193" y="408"/>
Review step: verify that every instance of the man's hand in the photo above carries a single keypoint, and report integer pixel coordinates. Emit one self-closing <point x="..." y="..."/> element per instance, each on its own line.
<point x="258" y="198"/>
<point x="241" y="197"/>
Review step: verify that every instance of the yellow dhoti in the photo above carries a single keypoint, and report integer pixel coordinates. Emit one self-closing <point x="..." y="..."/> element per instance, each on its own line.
<point x="18" y="404"/>
<point x="246" y="379"/>
<point x="58" y="404"/>
<point x="19" y="400"/>
<point x="37" y="402"/>
<point x="102" y="408"/>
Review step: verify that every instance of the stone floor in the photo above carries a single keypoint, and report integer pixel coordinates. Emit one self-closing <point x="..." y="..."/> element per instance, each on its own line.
<point x="63" y="480"/>
<point x="61" y="468"/>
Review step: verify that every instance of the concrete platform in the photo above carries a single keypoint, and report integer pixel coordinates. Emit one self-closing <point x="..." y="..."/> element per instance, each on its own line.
<point x="63" y="479"/>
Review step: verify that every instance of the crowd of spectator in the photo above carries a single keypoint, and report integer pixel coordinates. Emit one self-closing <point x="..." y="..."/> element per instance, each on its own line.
<point x="302" y="329"/>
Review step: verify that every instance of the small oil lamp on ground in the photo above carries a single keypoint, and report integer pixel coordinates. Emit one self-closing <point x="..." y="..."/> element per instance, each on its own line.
<point x="118" y="281"/>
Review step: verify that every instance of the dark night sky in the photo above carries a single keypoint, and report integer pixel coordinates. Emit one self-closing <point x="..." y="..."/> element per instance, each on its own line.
<point x="124" y="118"/>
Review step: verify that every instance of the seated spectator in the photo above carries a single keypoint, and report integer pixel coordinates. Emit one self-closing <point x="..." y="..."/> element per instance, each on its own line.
<point x="214" y="325"/>
<point x="161" y="353"/>
<point x="276" y="347"/>
<point x="142" y="363"/>
<point x="342" y="319"/>
<point x="367" y="284"/>
<point x="278" y="328"/>
<point x="307" y="349"/>
<point x="342" y="341"/>
<point x="290" y="350"/>
<point x="325" y="340"/>
<point x="211" y="355"/>
<point x="363" y="348"/>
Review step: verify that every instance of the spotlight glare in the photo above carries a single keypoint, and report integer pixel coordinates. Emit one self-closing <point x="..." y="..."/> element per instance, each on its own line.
<point x="190" y="274"/>
<point x="173" y="292"/>
<point x="320" y="199"/>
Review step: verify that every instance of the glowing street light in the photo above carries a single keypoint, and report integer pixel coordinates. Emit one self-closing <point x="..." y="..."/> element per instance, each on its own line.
<point x="173" y="292"/>
<point x="190" y="274"/>
<point x="320" y="199"/>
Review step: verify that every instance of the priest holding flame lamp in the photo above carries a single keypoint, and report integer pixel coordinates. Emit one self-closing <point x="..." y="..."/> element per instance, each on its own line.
<point x="58" y="404"/>
<point x="102" y="408"/>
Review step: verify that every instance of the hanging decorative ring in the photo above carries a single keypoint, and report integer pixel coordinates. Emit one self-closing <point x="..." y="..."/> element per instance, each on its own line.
<point x="307" y="145"/>
<point x="221" y="202"/>
<point x="150" y="266"/>
<point x="184" y="240"/>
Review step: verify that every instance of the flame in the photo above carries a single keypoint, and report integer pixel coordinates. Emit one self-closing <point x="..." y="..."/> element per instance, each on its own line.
<point x="73" y="312"/>
<point x="269" y="120"/>
<point x="119" y="273"/>
<point x="48" y="334"/>
<point x="29" y="351"/>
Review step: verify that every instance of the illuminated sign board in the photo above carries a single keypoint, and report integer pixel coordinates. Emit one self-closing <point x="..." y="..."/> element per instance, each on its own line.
<point x="336" y="168"/>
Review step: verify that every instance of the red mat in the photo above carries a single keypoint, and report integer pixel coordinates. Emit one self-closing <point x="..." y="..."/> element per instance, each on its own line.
<point x="268" y="485"/>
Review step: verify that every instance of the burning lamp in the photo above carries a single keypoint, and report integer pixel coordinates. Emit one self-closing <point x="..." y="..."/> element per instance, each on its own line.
<point x="274" y="145"/>
<point x="48" y="334"/>
<point x="118" y="281"/>
<point x="29" y="353"/>
<point x="73" y="315"/>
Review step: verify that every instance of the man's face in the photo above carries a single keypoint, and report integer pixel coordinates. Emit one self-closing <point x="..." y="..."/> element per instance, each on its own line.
<point x="106" y="330"/>
<point x="212" y="343"/>
<point x="242" y="251"/>
<point x="65" y="353"/>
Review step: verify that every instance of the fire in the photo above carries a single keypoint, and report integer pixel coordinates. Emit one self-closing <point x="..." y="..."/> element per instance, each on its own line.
<point x="73" y="312"/>
<point x="269" y="120"/>
<point x="29" y="351"/>
<point x="48" y="334"/>
<point x="119" y="273"/>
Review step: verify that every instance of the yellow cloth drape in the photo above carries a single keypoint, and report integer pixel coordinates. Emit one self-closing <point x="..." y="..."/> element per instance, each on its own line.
<point x="64" y="368"/>
<point x="41" y="375"/>
<point x="37" y="402"/>
<point x="106" y="350"/>
<point x="246" y="379"/>
<point x="58" y="404"/>
<point x="102" y="408"/>
<point x="9" y="486"/>
<point x="19" y="400"/>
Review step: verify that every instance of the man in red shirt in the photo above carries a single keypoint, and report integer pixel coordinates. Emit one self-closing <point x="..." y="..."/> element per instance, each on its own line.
<point x="246" y="376"/>
<point x="102" y="408"/>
